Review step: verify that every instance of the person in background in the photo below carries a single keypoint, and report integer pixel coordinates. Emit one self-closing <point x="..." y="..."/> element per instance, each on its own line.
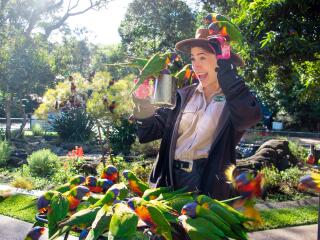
<point x="200" y="133"/>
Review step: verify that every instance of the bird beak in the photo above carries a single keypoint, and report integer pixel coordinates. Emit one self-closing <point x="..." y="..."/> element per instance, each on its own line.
<point x="183" y="212"/>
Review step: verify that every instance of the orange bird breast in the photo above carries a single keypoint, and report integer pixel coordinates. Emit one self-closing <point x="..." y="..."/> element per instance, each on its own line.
<point x="145" y="216"/>
<point x="135" y="187"/>
<point x="73" y="203"/>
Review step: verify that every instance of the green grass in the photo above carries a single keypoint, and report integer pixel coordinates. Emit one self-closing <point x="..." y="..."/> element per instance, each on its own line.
<point x="285" y="217"/>
<point x="22" y="207"/>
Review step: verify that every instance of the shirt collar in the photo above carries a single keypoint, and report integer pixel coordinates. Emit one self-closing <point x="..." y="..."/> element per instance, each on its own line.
<point x="217" y="96"/>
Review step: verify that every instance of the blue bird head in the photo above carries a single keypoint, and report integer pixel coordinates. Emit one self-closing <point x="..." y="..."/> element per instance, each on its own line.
<point x="83" y="234"/>
<point x="35" y="233"/>
<point x="189" y="209"/>
<point x="110" y="169"/>
<point x="104" y="183"/>
<point x="91" y="181"/>
<point x="80" y="191"/>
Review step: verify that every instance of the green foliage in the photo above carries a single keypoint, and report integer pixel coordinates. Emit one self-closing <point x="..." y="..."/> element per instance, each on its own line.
<point x="150" y="149"/>
<point x="152" y="26"/>
<point x="2" y="134"/>
<point x="298" y="151"/>
<point x="22" y="182"/>
<point x="43" y="163"/>
<point x="122" y="136"/>
<point x="73" y="125"/>
<point x="4" y="152"/>
<point x="37" y="130"/>
<point x="283" y="185"/>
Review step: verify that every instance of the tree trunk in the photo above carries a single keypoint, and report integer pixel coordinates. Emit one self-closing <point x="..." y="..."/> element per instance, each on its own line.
<point x="8" y="116"/>
<point x="24" y="122"/>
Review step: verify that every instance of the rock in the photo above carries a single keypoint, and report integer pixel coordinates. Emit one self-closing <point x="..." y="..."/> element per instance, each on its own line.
<point x="273" y="152"/>
<point x="18" y="157"/>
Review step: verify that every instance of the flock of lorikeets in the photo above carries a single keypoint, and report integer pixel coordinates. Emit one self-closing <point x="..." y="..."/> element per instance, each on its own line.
<point x="120" y="209"/>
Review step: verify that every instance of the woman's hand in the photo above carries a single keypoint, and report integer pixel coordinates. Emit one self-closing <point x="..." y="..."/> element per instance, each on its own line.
<point x="143" y="107"/>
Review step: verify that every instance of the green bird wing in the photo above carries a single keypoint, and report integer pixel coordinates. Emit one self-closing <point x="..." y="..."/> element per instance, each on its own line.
<point x="184" y="75"/>
<point x="163" y="227"/>
<point x="178" y="202"/>
<point x="124" y="191"/>
<point x="100" y="223"/>
<point x="59" y="207"/>
<point x="82" y="218"/>
<point x="153" y="68"/>
<point x="216" y="220"/>
<point x="155" y="192"/>
<point x="108" y="198"/>
<point x="198" y="228"/>
<point x="233" y="31"/>
<point x="63" y="188"/>
<point x="123" y="224"/>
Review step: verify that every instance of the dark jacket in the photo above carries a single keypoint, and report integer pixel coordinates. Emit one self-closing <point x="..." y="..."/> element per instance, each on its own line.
<point x="241" y="111"/>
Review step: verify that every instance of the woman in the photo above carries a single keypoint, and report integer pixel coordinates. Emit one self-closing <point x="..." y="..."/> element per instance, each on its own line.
<point x="200" y="134"/>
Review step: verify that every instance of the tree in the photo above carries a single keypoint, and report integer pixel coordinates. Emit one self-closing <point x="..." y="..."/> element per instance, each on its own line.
<point x="281" y="53"/>
<point x="20" y="24"/>
<point x="152" y="26"/>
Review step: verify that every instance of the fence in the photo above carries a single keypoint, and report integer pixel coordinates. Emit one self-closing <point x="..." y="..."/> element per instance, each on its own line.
<point x="16" y="123"/>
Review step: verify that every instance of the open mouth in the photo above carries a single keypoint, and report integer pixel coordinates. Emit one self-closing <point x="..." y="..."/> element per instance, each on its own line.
<point x="202" y="76"/>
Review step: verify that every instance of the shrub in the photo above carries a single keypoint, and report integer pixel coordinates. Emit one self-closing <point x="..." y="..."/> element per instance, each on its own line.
<point x="122" y="136"/>
<point x="146" y="149"/>
<point x="22" y="182"/>
<point x="298" y="151"/>
<point x="2" y="134"/>
<point x="43" y="163"/>
<point x="4" y="152"/>
<point x="73" y="125"/>
<point x="37" y="130"/>
<point x="283" y="185"/>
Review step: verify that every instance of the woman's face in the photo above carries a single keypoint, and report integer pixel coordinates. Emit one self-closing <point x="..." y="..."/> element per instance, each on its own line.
<point x="204" y="64"/>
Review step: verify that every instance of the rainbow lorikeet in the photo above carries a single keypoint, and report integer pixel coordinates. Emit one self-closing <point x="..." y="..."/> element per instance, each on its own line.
<point x="310" y="181"/>
<point x="123" y="224"/>
<point x="186" y="76"/>
<point x="136" y="185"/>
<point x="154" y="66"/>
<point x="109" y="197"/>
<point x="92" y="184"/>
<point x="250" y="187"/>
<point x="44" y="201"/>
<point x="82" y="219"/>
<point x="221" y="25"/>
<point x="83" y="234"/>
<point x="153" y="193"/>
<point x="111" y="173"/>
<point x="232" y="217"/>
<point x="122" y="188"/>
<point x="199" y="228"/>
<point x="195" y="210"/>
<point x="35" y="233"/>
<point x="57" y="211"/>
<point x="152" y="216"/>
<point x="74" y="181"/>
<point x="105" y="184"/>
<point x="100" y="223"/>
<point x="75" y="196"/>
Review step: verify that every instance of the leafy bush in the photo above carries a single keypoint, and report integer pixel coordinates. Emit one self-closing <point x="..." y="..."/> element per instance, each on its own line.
<point x="2" y="134"/>
<point x="43" y="163"/>
<point x="145" y="149"/>
<point x="37" y="130"/>
<point x="73" y="125"/>
<point x="122" y="136"/>
<point x="282" y="185"/>
<point x="22" y="182"/>
<point x="4" y="152"/>
<point x="298" y="151"/>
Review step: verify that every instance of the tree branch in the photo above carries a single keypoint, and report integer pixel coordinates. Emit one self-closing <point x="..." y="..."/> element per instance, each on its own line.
<point x="69" y="13"/>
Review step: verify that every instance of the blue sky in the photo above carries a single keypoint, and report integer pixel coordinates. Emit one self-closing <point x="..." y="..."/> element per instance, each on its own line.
<point x="103" y="25"/>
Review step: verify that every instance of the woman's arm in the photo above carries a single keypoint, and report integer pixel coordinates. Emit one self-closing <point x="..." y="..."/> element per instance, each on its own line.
<point x="244" y="108"/>
<point x="152" y="128"/>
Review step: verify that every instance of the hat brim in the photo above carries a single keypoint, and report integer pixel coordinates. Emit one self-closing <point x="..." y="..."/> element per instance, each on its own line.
<point x="185" y="46"/>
